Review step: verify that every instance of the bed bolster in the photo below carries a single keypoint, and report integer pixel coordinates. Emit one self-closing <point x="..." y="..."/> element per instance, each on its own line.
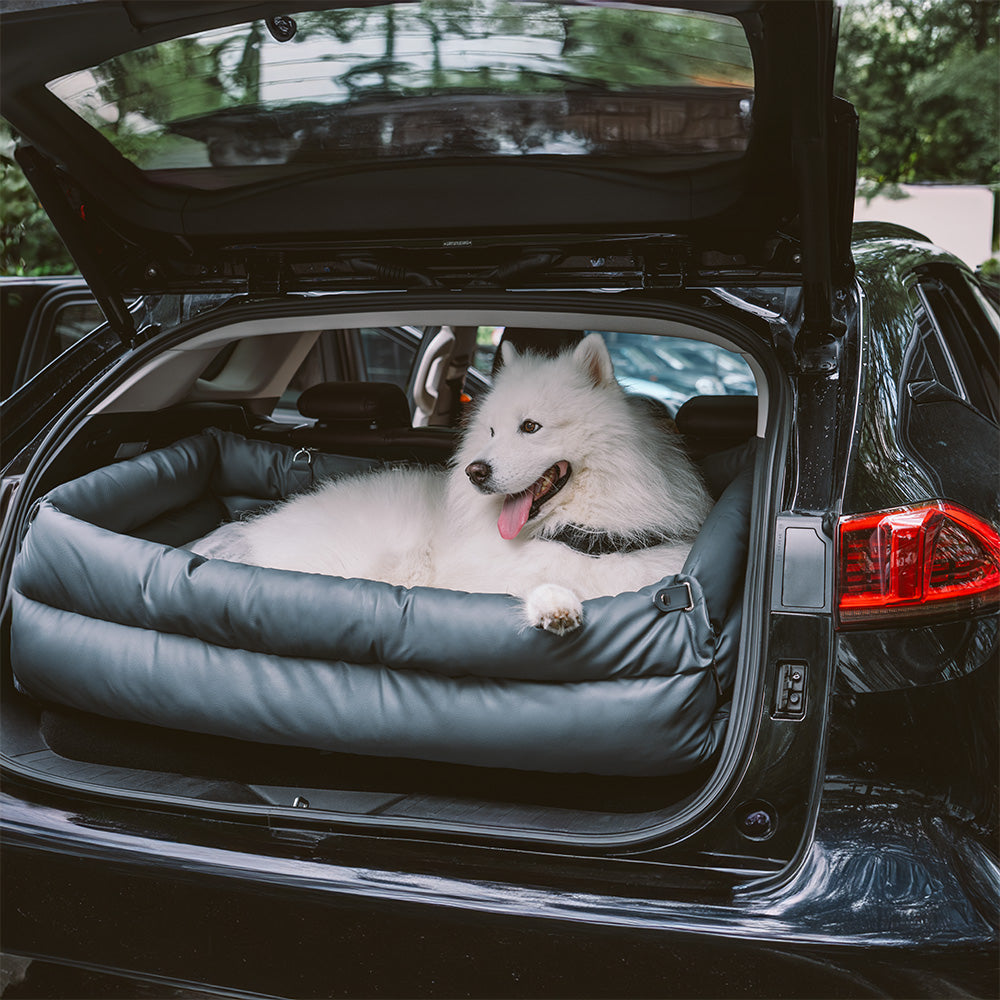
<point x="128" y="581"/>
<point x="123" y="496"/>
<point x="258" y="469"/>
<point x="639" y="726"/>
<point x="718" y="556"/>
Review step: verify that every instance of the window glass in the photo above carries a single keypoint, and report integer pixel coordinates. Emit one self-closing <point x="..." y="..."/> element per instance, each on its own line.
<point x="668" y="369"/>
<point x="672" y="370"/>
<point x="368" y="355"/>
<point x="56" y="320"/>
<point x="387" y="358"/>
<point x="983" y="354"/>
<point x="930" y="360"/>
<point x="319" y="365"/>
<point x="439" y="78"/>
<point x="988" y="309"/>
<point x="959" y="336"/>
<point x="72" y="323"/>
<point x="487" y="341"/>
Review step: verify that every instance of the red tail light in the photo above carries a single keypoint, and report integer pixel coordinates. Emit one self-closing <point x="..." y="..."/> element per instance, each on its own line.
<point x="925" y="562"/>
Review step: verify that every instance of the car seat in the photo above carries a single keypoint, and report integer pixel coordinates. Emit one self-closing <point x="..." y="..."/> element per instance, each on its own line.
<point x="370" y="419"/>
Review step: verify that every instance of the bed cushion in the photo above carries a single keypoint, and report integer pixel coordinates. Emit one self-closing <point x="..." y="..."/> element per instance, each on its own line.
<point x="112" y="615"/>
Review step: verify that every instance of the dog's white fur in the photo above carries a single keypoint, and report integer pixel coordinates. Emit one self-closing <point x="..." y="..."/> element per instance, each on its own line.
<point x="425" y="527"/>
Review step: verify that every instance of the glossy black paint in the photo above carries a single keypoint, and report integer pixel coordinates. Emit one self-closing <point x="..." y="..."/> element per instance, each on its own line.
<point x="799" y="164"/>
<point x="854" y="855"/>
<point x="893" y="898"/>
<point x="895" y="461"/>
<point x="844" y="848"/>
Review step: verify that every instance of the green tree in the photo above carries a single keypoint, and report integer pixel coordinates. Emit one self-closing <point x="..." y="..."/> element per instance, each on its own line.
<point x="925" y="78"/>
<point x="29" y="243"/>
<point x="202" y="78"/>
<point x="646" y="49"/>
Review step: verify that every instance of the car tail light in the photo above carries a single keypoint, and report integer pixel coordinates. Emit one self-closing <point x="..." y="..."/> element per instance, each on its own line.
<point x="924" y="562"/>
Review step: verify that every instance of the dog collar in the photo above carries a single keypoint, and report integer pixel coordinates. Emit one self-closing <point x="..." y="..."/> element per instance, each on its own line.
<point x="595" y="542"/>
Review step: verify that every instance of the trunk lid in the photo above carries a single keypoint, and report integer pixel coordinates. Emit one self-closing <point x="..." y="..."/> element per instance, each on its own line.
<point x="292" y="146"/>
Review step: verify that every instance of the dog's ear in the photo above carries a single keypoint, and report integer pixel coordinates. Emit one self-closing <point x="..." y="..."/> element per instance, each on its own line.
<point x="508" y="353"/>
<point x="591" y="354"/>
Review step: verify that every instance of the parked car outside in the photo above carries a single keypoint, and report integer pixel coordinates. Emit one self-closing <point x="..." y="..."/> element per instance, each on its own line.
<point x="41" y="318"/>
<point x="263" y="202"/>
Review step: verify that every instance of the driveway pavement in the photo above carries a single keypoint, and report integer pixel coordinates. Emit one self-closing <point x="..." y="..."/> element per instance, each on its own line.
<point x="956" y="218"/>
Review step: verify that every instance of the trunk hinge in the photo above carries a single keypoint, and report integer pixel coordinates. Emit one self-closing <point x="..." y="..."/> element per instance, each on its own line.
<point x="80" y="237"/>
<point x="816" y="358"/>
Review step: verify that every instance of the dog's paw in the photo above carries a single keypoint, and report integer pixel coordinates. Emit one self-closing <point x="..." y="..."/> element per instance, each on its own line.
<point x="554" y="609"/>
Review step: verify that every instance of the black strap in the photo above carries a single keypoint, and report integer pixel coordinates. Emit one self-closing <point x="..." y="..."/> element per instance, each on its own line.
<point x="596" y="542"/>
<point x="677" y="597"/>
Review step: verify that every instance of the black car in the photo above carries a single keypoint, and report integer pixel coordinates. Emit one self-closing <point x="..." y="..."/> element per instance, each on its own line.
<point x="275" y="204"/>
<point x="41" y="317"/>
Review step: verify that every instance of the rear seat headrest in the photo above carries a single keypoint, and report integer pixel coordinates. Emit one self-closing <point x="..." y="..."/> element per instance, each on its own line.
<point x="380" y="403"/>
<point x="718" y="417"/>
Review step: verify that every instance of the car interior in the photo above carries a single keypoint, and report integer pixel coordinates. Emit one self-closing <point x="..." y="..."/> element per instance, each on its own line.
<point x="260" y="378"/>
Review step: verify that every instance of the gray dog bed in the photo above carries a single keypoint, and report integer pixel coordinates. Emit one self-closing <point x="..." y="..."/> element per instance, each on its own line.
<point x="113" y="616"/>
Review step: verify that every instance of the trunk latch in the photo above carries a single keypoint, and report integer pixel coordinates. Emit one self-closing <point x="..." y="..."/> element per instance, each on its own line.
<point x="790" y="700"/>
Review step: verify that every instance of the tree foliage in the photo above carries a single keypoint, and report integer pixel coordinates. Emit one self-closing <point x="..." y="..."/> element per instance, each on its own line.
<point x="29" y="243"/>
<point x="925" y="78"/>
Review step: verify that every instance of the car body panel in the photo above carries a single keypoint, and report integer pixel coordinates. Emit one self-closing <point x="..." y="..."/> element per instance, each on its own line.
<point x="341" y="925"/>
<point x="820" y="889"/>
<point x="844" y="841"/>
<point x="84" y="34"/>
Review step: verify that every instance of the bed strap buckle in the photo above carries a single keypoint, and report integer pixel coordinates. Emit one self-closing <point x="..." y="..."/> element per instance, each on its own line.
<point x="674" y="598"/>
<point x="302" y="466"/>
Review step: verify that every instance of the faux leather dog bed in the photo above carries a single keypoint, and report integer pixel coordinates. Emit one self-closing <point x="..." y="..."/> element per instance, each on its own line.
<point x="113" y="616"/>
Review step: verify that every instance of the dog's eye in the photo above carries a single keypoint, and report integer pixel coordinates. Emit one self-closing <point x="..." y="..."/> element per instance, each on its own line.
<point x="529" y="426"/>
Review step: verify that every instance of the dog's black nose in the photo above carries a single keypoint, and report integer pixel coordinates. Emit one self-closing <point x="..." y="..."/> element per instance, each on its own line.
<point x="478" y="472"/>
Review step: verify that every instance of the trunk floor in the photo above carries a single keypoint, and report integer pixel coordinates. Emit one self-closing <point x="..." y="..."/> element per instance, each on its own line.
<point x="76" y="746"/>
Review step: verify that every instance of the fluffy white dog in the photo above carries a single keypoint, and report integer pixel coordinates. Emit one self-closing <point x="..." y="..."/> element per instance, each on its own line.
<point x="562" y="489"/>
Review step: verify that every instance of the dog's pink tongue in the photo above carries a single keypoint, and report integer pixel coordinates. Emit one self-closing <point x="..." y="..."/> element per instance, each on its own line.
<point x="516" y="508"/>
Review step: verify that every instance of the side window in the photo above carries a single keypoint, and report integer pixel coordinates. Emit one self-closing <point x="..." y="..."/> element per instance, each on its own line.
<point x="60" y="318"/>
<point x="17" y="303"/>
<point x="487" y="340"/>
<point x="672" y="370"/>
<point x="668" y="369"/>
<point x="372" y="354"/>
<point x="960" y="335"/>
<point x="386" y="358"/>
<point x="73" y="322"/>
<point x="949" y="396"/>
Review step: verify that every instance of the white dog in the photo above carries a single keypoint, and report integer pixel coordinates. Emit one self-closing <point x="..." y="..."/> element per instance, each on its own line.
<point x="562" y="489"/>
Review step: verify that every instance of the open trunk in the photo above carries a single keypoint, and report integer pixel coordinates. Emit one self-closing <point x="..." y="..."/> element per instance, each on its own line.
<point x="225" y="373"/>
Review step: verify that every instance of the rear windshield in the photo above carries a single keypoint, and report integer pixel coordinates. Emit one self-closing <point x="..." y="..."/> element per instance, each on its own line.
<point x="413" y="81"/>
